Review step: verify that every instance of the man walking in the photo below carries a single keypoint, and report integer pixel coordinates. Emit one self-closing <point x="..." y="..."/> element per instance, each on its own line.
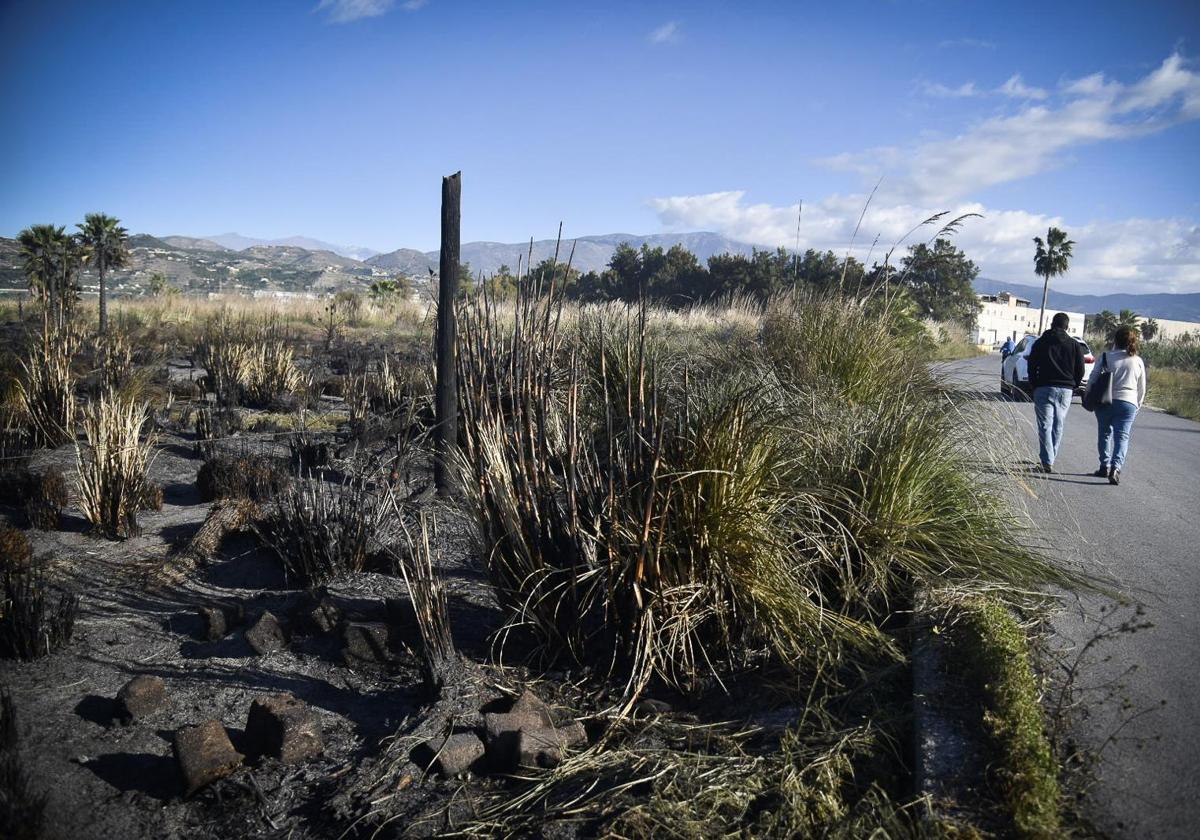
<point x="1055" y="371"/>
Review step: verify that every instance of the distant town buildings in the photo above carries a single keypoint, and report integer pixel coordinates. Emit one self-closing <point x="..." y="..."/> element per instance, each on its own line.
<point x="1005" y="315"/>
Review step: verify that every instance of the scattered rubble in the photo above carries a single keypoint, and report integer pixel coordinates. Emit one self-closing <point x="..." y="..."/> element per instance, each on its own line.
<point x="204" y="754"/>
<point x="266" y="635"/>
<point x="138" y="698"/>
<point x="453" y="755"/>
<point x="283" y="727"/>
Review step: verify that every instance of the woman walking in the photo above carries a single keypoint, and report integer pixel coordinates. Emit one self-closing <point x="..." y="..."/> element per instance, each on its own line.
<point x="1114" y="420"/>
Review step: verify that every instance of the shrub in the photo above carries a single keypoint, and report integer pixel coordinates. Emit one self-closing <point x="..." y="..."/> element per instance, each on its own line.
<point x="247" y="364"/>
<point x="31" y="623"/>
<point x="15" y="551"/>
<point x="214" y="424"/>
<point x="321" y="531"/>
<point x="253" y="477"/>
<point x="675" y="517"/>
<point x="46" y="495"/>
<point x="270" y="374"/>
<point x="112" y="465"/>
<point x="224" y="356"/>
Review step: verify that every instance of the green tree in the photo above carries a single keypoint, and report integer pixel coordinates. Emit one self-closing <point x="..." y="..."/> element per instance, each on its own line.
<point x="387" y="291"/>
<point x="105" y="245"/>
<point x="157" y="284"/>
<point x="1149" y="329"/>
<point x="1128" y="318"/>
<point x="940" y="281"/>
<point x="50" y="260"/>
<point x="1050" y="259"/>
<point x="1105" y="323"/>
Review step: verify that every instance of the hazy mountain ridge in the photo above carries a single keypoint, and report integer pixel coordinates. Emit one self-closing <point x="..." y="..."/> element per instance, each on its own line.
<point x="1174" y="307"/>
<point x="237" y="242"/>
<point x="592" y="253"/>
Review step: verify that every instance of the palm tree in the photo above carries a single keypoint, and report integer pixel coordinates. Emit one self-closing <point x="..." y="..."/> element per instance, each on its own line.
<point x="1128" y="318"/>
<point x="1104" y="323"/>
<point x="1050" y="260"/>
<point x="50" y="259"/>
<point x="1149" y="329"/>
<point x="105" y="243"/>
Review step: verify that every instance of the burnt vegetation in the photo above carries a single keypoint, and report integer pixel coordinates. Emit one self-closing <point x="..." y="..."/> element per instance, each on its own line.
<point x="697" y="528"/>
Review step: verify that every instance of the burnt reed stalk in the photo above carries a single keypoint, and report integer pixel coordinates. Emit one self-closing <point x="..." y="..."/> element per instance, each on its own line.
<point x="427" y="594"/>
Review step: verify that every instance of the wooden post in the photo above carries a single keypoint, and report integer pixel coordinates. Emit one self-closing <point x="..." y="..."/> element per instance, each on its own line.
<point x="447" y="376"/>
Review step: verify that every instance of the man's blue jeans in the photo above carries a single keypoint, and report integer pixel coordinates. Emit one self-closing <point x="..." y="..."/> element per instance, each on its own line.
<point x="1114" y="423"/>
<point x="1050" y="406"/>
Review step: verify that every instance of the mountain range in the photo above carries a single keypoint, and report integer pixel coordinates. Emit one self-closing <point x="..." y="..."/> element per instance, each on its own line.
<point x="1174" y="307"/>
<point x="237" y="242"/>
<point x="591" y="253"/>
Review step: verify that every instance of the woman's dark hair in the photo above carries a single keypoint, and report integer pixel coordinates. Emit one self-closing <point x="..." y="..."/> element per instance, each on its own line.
<point x="1127" y="339"/>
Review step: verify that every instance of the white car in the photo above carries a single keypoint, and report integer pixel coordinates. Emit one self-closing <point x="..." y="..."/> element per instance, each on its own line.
<point x="1014" y="369"/>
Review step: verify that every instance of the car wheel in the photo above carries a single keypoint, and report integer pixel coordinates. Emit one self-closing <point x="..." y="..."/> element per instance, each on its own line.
<point x="1017" y="391"/>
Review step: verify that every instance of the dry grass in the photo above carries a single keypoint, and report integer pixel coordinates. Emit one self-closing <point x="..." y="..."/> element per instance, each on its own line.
<point x="1175" y="391"/>
<point x="112" y="464"/>
<point x="670" y="515"/>
<point x="46" y="385"/>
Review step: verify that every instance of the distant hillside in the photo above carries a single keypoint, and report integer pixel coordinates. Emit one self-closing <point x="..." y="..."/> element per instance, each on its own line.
<point x="1184" y="307"/>
<point x="237" y="242"/>
<point x="592" y="253"/>
<point x="190" y="243"/>
<point x="406" y="261"/>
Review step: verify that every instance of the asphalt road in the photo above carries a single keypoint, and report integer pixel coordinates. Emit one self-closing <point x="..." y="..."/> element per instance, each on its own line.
<point x="1141" y="689"/>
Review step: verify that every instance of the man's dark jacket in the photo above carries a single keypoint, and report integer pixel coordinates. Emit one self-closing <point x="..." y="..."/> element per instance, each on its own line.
<point x="1056" y="360"/>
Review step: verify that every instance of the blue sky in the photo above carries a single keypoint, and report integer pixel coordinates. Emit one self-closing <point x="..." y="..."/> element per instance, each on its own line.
<point x="337" y="119"/>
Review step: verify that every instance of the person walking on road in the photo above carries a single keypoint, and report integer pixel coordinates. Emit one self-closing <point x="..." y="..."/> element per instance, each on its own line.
<point x="1114" y="420"/>
<point x="1007" y="347"/>
<point x="1055" y="371"/>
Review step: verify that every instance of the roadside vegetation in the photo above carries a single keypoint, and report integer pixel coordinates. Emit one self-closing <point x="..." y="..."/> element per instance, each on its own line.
<point x="701" y="525"/>
<point x="1174" y="376"/>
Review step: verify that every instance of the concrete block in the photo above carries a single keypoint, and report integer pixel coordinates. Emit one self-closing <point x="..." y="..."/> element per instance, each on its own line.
<point x="204" y="754"/>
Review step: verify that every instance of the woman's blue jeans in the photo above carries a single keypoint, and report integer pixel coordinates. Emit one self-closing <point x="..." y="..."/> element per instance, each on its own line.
<point x="1050" y="407"/>
<point x="1114" y="424"/>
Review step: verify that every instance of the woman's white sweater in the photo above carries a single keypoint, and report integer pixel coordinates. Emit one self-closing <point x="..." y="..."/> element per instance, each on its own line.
<point x="1128" y="376"/>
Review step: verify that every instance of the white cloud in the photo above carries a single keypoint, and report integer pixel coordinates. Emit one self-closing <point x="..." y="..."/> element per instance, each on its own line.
<point x="1130" y="255"/>
<point x="1017" y="89"/>
<point x="346" y="11"/>
<point x="937" y="89"/>
<point x="668" y="33"/>
<point x="1008" y="147"/>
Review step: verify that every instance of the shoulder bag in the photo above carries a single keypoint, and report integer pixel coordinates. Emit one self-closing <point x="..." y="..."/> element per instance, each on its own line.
<point x="1099" y="391"/>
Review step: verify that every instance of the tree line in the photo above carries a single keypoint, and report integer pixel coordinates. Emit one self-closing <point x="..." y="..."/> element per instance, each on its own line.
<point x="936" y="280"/>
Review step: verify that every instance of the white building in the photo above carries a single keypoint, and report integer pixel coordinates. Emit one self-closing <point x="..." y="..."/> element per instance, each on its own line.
<point x="1005" y="315"/>
<point x="1168" y="330"/>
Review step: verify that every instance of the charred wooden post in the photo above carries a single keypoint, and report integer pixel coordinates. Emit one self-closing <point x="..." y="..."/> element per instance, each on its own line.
<point x="447" y="379"/>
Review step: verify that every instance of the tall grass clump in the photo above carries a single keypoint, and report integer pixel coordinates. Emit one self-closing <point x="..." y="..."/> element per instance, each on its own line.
<point x="33" y="622"/>
<point x="247" y="362"/>
<point x="113" y="485"/>
<point x="899" y="465"/>
<point x="678" y="516"/>
<point x="46" y="384"/>
<point x="629" y="522"/>
<point x="322" y="531"/>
